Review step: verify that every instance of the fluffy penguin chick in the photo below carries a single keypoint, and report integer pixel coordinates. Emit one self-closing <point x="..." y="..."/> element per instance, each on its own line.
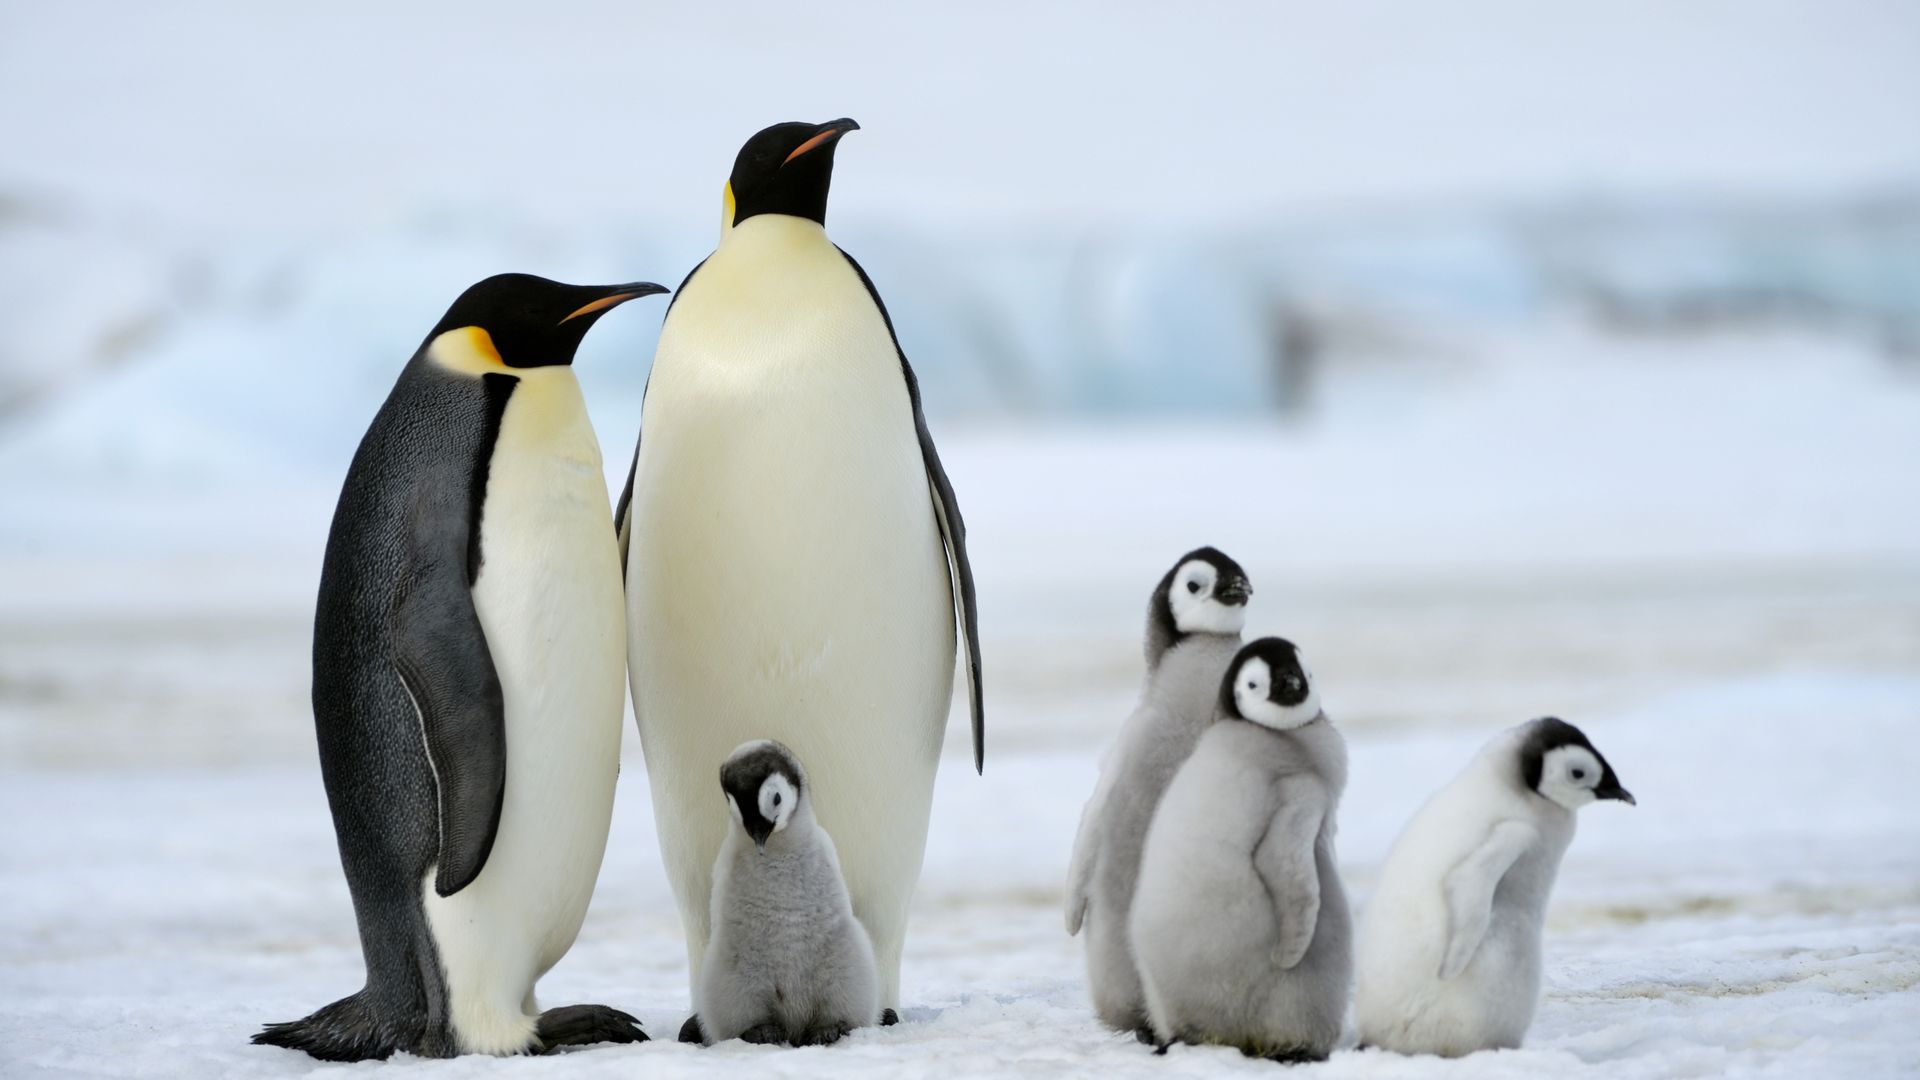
<point x="1193" y="627"/>
<point x="1449" y="947"/>
<point x="787" y="962"/>
<point x="1240" y="922"/>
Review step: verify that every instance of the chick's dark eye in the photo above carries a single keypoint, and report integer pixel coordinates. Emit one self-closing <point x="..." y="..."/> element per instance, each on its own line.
<point x="776" y="795"/>
<point x="1193" y="586"/>
<point x="1579" y="774"/>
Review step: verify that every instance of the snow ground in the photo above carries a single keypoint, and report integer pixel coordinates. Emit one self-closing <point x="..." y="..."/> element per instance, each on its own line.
<point x="1757" y="914"/>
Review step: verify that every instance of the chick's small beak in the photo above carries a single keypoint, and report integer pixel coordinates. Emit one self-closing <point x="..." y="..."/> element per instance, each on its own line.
<point x="615" y="295"/>
<point x="1615" y="791"/>
<point x="1234" y="592"/>
<point x="759" y="831"/>
<point x="828" y="132"/>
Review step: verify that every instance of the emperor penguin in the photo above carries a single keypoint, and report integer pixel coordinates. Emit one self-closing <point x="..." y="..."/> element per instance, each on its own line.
<point x="1240" y="922"/>
<point x="468" y="646"/>
<point x="1194" y="619"/>
<point x="1449" y="946"/>
<point x="787" y="961"/>
<point x="796" y="561"/>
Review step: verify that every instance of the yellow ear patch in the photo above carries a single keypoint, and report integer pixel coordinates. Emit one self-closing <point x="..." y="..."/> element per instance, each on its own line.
<point x="468" y="350"/>
<point x="726" y="208"/>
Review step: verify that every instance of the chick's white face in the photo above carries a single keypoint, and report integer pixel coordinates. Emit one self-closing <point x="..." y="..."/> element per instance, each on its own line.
<point x="1195" y="609"/>
<point x="1254" y="693"/>
<point x="1568" y="775"/>
<point x="777" y="799"/>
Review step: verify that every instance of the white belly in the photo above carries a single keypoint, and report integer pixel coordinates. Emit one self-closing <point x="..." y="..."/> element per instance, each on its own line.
<point x="786" y="577"/>
<point x="548" y="597"/>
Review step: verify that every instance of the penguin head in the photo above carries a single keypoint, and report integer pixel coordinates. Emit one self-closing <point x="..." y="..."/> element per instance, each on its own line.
<point x="763" y="784"/>
<point x="1205" y="593"/>
<point x="785" y="169"/>
<point x="1268" y="683"/>
<point x="532" y="322"/>
<point x="1560" y="765"/>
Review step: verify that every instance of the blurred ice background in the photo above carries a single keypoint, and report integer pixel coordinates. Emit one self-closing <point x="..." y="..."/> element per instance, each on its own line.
<point x="1534" y="358"/>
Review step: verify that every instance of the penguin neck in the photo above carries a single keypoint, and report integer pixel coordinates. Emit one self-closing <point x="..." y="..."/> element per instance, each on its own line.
<point x="766" y="235"/>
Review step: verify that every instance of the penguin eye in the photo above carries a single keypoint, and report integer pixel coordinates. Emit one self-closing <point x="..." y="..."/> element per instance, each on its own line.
<point x="1578" y="774"/>
<point x="776" y="795"/>
<point x="1193" y="586"/>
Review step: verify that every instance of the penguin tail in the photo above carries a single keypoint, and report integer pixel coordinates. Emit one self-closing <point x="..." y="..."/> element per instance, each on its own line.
<point x="347" y="1030"/>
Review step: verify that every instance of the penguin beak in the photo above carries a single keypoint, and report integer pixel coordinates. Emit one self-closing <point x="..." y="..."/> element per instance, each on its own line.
<point x="759" y="829"/>
<point x="614" y="296"/>
<point x="1610" y="789"/>
<point x="827" y="133"/>
<point x="1234" y="592"/>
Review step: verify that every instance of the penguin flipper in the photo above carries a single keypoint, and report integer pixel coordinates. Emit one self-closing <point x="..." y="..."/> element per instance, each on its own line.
<point x="623" y="511"/>
<point x="1086" y="848"/>
<point x="440" y="652"/>
<point x="953" y="533"/>
<point x="1469" y="889"/>
<point x="1284" y="860"/>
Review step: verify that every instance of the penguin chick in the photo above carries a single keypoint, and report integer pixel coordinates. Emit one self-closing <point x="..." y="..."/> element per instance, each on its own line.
<point x="1193" y="627"/>
<point x="1449" y="946"/>
<point x="788" y="962"/>
<point x="1240" y="922"/>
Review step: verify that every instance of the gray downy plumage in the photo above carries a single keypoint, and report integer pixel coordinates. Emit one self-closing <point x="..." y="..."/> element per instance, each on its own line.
<point x="1240" y="921"/>
<point x="788" y="962"/>
<point x="1177" y="705"/>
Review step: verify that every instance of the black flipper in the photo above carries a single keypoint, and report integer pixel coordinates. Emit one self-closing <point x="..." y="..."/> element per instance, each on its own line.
<point x="583" y="1025"/>
<point x="953" y="531"/>
<point x="442" y="657"/>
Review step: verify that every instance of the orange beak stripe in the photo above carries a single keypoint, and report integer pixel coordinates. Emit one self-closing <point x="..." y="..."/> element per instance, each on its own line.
<point x="601" y="304"/>
<point x="812" y="143"/>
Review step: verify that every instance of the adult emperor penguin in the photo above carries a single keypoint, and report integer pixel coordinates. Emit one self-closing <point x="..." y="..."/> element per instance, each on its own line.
<point x="1193" y="630"/>
<point x="1449" y="947"/>
<point x="467" y="691"/>
<point x="796" y="562"/>
<point x="788" y="962"/>
<point x="1240" y="921"/>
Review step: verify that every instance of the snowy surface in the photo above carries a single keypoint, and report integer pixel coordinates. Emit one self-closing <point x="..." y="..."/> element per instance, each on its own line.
<point x="1759" y="912"/>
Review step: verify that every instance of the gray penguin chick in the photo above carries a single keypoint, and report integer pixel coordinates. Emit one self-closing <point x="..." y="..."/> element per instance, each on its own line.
<point x="1193" y="627"/>
<point x="1449" y="947"/>
<point x="1240" y="921"/>
<point x="788" y="962"/>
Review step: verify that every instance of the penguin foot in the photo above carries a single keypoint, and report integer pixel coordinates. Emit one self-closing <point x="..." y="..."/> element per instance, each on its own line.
<point x="1161" y="1050"/>
<point x="690" y="1031"/>
<point x="347" y="1030"/>
<point x="580" y="1025"/>
<point x="1292" y="1055"/>
<point x="1143" y="1035"/>
<point x="768" y="1034"/>
<point x="824" y="1035"/>
<point x="888" y="1018"/>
